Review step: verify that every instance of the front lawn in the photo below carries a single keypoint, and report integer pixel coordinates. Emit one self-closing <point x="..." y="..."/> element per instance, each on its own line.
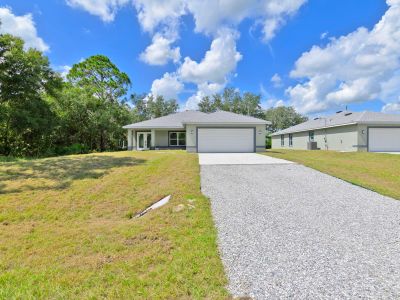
<point x="67" y="229"/>
<point x="375" y="171"/>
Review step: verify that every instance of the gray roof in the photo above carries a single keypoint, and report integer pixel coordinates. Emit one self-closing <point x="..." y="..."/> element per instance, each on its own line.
<point x="177" y="120"/>
<point x="344" y="118"/>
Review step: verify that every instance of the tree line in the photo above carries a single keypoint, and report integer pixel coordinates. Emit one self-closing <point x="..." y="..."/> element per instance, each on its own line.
<point x="43" y="114"/>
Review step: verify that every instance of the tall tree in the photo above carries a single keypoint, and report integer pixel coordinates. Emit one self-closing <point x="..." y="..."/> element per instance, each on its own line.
<point x="206" y="105"/>
<point x="147" y="107"/>
<point x="26" y="119"/>
<point x="251" y="106"/>
<point x="98" y="76"/>
<point x="217" y="103"/>
<point x="283" y="117"/>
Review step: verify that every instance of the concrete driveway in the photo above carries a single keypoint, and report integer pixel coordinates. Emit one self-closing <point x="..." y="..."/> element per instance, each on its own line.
<point x="238" y="159"/>
<point x="287" y="231"/>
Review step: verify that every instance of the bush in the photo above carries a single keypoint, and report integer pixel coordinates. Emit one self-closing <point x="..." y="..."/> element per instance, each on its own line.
<point x="268" y="142"/>
<point x="73" y="149"/>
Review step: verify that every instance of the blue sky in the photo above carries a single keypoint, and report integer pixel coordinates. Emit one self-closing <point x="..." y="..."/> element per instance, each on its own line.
<point x="309" y="54"/>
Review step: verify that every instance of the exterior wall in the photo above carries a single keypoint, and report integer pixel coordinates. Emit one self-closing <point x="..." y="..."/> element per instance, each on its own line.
<point x="130" y="139"/>
<point x="261" y="132"/>
<point x="341" y="138"/>
<point x="362" y="138"/>
<point x="191" y="138"/>
<point x="191" y="135"/>
<point x="160" y="137"/>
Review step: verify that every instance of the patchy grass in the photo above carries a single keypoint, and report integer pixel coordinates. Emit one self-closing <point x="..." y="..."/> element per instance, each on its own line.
<point x="375" y="171"/>
<point x="66" y="229"/>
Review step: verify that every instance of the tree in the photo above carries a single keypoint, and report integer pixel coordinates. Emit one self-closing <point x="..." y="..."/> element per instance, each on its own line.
<point x="206" y="105"/>
<point x="283" y="117"/>
<point x="147" y="107"/>
<point x="217" y="103"/>
<point x="26" y="119"/>
<point x="231" y="100"/>
<point x="250" y="105"/>
<point x="98" y="76"/>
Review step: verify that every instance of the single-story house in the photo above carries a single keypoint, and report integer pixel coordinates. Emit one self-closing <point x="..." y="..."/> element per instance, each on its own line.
<point x="344" y="131"/>
<point x="196" y="131"/>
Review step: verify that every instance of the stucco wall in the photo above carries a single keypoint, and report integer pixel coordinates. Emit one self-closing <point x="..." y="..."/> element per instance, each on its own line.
<point x="343" y="138"/>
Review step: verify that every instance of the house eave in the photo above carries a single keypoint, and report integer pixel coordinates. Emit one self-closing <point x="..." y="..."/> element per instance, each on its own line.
<point x="314" y="128"/>
<point x="152" y="127"/>
<point x="227" y="123"/>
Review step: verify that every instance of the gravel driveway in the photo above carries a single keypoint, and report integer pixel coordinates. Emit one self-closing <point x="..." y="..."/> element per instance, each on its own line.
<point x="287" y="231"/>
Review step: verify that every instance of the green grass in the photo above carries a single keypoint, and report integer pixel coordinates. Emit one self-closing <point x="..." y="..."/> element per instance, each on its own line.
<point x="375" y="171"/>
<point x="66" y="230"/>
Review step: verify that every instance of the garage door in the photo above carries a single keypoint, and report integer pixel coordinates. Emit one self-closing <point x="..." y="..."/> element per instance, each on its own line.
<point x="384" y="140"/>
<point x="225" y="140"/>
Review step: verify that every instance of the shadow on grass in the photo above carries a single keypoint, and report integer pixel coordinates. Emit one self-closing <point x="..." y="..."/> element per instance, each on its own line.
<point x="274" y="151"/>
<point x="61" y="172"/>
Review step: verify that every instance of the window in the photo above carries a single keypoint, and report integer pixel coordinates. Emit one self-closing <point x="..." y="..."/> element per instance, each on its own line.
<point x="177" y="139"/>
<point x="311" y="136"/>
<point x="290" y="140"/>
<point x="282" y="140"/>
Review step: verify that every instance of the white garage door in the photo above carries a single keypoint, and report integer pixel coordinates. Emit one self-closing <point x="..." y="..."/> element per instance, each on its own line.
<point x="384" y="140"/>
<point x="225" y="140"/>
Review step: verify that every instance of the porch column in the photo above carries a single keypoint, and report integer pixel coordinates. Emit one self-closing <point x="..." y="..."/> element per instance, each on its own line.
<point x="153" y="138"/>
<point x="129" y="139"/>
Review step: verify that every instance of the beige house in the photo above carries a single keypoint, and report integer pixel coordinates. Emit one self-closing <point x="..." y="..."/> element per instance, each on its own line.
<point x="344" y="131"/>
<point x="196" y="131"/>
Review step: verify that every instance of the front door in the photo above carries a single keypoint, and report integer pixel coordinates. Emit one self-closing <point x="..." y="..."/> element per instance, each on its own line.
<point x="143" y="140"/>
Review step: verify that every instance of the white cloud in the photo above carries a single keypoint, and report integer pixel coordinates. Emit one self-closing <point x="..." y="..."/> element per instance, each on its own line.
<point x="160" y="52"/>
<point x="276" y="80"/>
<point x="323" y="35"/>
<point x="152" y="13"/>
<point x="168" y="86"/>
<point x="211" y="15"/>
<point x="63" y="70"/>
<point x="216" y="18"/>
<point x="217" y="63"/>
<point x="105" y="9"/>
<point x="391" y="108"/>
<point x="203" y="89"/>
<point x="361" y="66"/>
<point x="23" y="27"/>
<point x="279" y="103"/>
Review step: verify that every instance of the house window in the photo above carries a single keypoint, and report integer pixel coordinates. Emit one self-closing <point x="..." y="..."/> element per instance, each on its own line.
<point x="177" y="138"/>
<point x="311" y="136"/>
<point x="290" y="140"/>
<point x="282" y="140"/>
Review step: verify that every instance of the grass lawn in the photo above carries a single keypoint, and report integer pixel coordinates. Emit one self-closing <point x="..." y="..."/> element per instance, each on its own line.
<point x="375" y="171"/>
<point x="66" y="228"/>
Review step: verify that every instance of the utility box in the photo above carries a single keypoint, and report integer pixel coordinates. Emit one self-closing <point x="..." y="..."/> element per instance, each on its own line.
<point x="312" y="146"/>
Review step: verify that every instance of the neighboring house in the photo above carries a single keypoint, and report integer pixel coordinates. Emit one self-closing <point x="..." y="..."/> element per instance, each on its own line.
<point x="195" y="131"/>
<point x="344" y="131"/>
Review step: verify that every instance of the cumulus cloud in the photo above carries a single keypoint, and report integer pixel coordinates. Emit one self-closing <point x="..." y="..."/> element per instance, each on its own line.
<point x="276" y="81"/>
<point x="217" y="63"/>
<point x="203" y="89"/>
<point x="105" y="9"/>
<point x="23" y="27"/>
<point x="211" y="15"/>
<point x="154" y="13"/>
<point x="215" y="18"/>
<point x="391" y="108"/>
<point x="160" y="52"/>
<point x="63" y="70"/>
<point x="168" y="86"/>
<point x="361" y="66"/>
